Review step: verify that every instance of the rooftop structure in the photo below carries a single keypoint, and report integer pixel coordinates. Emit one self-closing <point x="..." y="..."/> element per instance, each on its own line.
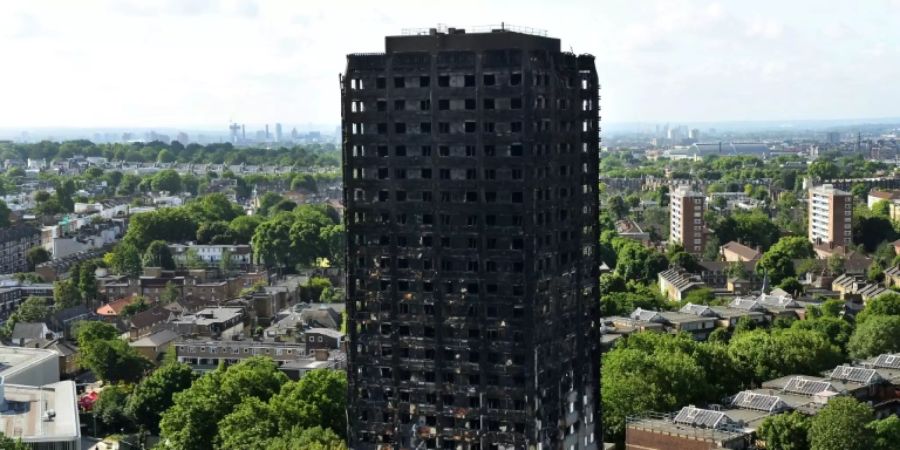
<point x="31" y="366"/>
<point x="46" y="416"/>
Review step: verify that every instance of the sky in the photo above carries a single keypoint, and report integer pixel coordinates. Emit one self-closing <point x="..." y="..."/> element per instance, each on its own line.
<point x="204" y="63"/>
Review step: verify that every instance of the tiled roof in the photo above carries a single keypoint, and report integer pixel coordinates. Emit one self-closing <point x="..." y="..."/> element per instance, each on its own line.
<point x="646" y="316"/>
<point x="698" y="310"/>
<point x="742" y="250"/>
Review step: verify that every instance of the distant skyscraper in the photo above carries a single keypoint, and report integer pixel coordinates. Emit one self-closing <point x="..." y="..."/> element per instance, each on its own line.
<point x="688" y="224"/>
<point x="830" y="216"/>
<point x="695" y="134"/>
<point x="235" y="128"/>
<point x="277" y="132"/>
<point x="267" y="132"/>
<point x="470" y="185"/>
<point x="182" y="138"/>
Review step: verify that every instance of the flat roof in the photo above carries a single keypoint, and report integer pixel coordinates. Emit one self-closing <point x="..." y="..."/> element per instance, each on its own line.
<point x="457" y="39"/>
<point x="15" y="359"/>
<point x="27" y="407"/>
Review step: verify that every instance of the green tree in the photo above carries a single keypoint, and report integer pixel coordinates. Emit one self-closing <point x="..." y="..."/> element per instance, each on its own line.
<point x="266" y="202"/>
<point x="170" y="293"/>
<point x="315" y="438"/>
<point x="35" y="256"/>
<point x="192" y="421"/>
<point x="226" y="264"/>
<point x="877" y="335"/>
<point x="272" y="241"/>
<point x="243" y="227"/>
<point x="882" y="208"/>
<point x="841" y="425"/>
<point x="158" y="254"/>
<point x="87" y="280"/>
<point x="65" y="294"/>
<point x="192" y="260"/>
<point x="634" y="381"/>
<point x="618" y="206"/>
<point x="110" y="408"/>
<point x="139" y="304"/>
<point x="208" y="231"/>
<point x="886" y="431"/>
<point x="317" y="399"/>
<point x="837" y="330"/>
<point x="8" y="443"/>
<point x="89" y="331"/>
<point x="33" y="309"/>
<point x="822" y="169"/>
<point x="165" y="156"/>
<point x="126" y="260"/>
<point x="112" y="360"/>
<point x="883" y="305"/>
<point x="166" y="180"/>
<point x="787" y="431"/>
<point x="792" y="286"/>
<point x="763" y="355"/>
<point x="154" y="394"/>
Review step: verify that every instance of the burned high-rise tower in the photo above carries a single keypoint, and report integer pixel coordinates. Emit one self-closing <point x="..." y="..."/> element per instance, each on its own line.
<point x="470" y="185"/>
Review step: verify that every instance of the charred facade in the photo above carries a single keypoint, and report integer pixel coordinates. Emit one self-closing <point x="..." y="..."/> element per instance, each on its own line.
<point x="470" y="185"/>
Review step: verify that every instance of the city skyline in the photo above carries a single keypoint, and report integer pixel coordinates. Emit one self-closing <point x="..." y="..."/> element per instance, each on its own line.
<point x="202" y="64"/>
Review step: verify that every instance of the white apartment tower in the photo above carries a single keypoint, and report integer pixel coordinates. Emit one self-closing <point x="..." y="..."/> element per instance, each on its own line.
<point x="830" y="216"/>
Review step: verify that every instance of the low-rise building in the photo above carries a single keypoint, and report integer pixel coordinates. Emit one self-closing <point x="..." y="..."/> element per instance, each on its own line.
<point x="216" y="321"/>
<point x="153" y="346"/>
<point x="735" y="251"/>
<point x="241" y="255"/>
<point x="148" y="322"/>
<point x="15" y="241"/>
<point x="322" y="338"/>
<point x="13" y="293"/>
<point x="32" y="366"/>
<point x="675" y="284"/>
<point x="206" y="354"/>
<point x="43" y="416"/>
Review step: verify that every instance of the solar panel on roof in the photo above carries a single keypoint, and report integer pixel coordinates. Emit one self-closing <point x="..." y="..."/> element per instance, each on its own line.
<point x="854" y="374"/>
<point x="761" y="402"/>
<point x="701" y="417"/>
<point x="887" y="361"/>
<point x="800" y="385"/>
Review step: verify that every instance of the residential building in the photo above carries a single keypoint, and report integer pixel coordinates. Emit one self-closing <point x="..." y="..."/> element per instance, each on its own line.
<point x="206" y="354"/>
<point x="687" y="223"/>
<point x="148" y="322"/>
<point x="153" y="346"/>
<point x="876" y="196"/>
<point x="735" y="251"/>
<point x="830" y="214"/>
<point x="15" y="242"/>
<point x="675" y="284"/>
<point x="212" y="322"/>
<point x="32" y="366"/>
<point x="470" y="177"/>
<point x="241" y="255"/>
<point x="322" y="338"/>
<point x="43" y="416"/>
<point x="12" y="294"/>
